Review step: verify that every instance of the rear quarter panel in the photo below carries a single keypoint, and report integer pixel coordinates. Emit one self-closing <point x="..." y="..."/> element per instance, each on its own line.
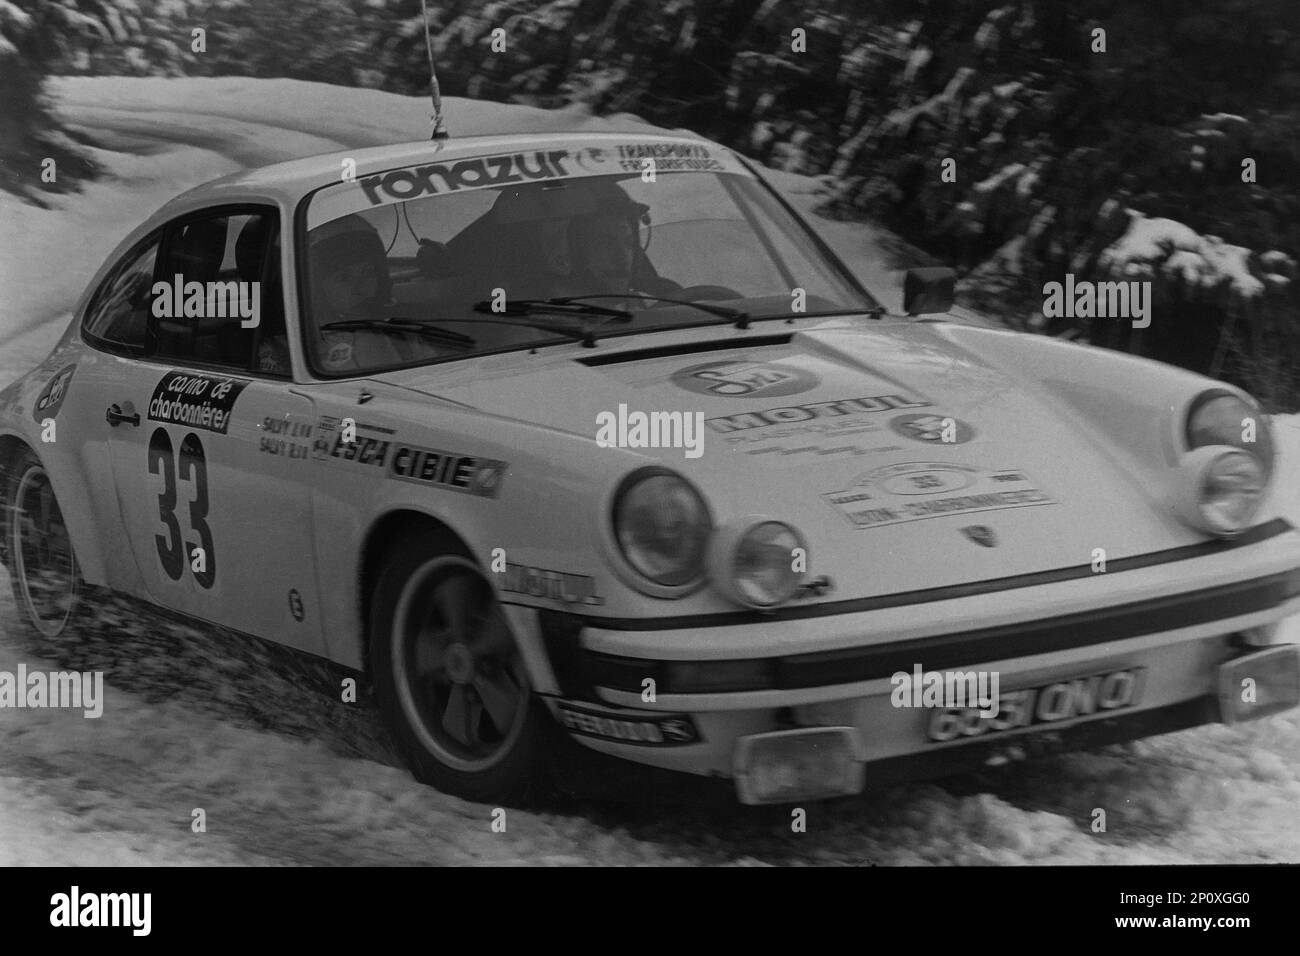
<point x="76" y="460"/>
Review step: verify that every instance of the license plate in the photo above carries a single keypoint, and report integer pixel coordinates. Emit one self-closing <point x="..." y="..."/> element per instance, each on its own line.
<point x="1048" y="704"/>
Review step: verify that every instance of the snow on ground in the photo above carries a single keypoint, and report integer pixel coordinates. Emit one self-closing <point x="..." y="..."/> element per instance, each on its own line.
<point x="286" y="776"/>
<point x="121" y="789"/>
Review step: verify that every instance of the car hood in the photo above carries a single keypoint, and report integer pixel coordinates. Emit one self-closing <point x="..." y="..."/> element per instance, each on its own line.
<point x="879" y="442"/>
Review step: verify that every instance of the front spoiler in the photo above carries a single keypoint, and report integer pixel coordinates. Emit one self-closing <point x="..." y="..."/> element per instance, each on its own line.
<point x="806" y="655"/>
<point x="1274" y="671"/>
<point x="589" y="774"/>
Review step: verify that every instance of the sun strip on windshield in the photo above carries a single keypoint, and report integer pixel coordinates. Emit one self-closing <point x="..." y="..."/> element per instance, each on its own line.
<point x="543" y="164"/>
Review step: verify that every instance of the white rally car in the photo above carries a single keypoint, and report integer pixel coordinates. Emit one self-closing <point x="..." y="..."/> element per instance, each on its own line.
<point x="587" y="444"/>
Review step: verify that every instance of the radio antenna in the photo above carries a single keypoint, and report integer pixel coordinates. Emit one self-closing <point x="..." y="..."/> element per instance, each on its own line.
<point x="439" y="130"/>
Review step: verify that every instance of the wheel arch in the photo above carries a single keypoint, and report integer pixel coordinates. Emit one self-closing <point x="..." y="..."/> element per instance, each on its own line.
<point x="74" y="501"/>
<point x="384" y="534"/>
<point x="392" y="527"/>
<point x="10" y="447"/>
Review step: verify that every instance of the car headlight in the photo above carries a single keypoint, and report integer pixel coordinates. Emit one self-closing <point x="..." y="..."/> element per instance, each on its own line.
<point x="662" y="526"/>
<point x="753" y="561"/>
<point x="1219" y="418"/>
<point x="1220" y="489"/>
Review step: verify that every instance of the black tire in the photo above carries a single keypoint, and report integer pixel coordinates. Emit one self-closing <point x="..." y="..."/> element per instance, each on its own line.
<point x="449" y="680"/>
<point x="43" y="570"/>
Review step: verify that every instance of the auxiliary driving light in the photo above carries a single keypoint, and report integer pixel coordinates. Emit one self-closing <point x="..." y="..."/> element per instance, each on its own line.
<point x="1219" y="489"/>
<point x="753" y="561"/>
<point x="1220" y="418"/>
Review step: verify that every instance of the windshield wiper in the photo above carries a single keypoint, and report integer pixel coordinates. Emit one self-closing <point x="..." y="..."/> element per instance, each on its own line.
<point x="585" y="335"/>
<point x="739" y="316"/>
<point x="559" y="306"/>
<point x="398" y="324"/>
<point x="402" y="324"/>
<point x="580" y="310"/>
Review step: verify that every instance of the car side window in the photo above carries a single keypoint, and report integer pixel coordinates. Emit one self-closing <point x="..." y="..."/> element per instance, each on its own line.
<point x="118" y="316"/>
<point x="219" y="298"/>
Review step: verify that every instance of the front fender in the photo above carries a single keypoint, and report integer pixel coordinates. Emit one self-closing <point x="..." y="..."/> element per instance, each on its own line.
<point x="1133" y="409"/>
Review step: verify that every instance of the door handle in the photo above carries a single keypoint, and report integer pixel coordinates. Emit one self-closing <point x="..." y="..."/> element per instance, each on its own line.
<point x="115" y="417"/>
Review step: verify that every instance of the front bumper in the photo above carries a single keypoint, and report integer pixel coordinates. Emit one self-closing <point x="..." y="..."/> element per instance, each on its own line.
<point x="834" y="670"/>
<point x="819" y="762"/>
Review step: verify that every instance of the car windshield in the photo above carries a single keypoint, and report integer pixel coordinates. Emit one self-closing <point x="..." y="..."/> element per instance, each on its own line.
<point x="434" y="262"/>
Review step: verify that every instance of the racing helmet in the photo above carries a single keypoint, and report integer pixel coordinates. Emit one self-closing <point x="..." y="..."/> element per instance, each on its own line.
<point x="548" y="227"/>
<point x="585" y="235"/>
<point x="610" y="202"/>
<point x="344" y="242"/>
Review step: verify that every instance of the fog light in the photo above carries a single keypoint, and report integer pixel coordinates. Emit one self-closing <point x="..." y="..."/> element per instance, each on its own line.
<point x="804" y="764"/>
<point x="1259" y="684"/>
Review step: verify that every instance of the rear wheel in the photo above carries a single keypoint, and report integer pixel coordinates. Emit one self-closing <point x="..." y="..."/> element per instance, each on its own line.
<point x="449" y="678"/>
<point x="43" y="568"/>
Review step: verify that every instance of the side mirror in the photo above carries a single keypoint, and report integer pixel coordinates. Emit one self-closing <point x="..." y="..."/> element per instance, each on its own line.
<point x="928" y="291"/>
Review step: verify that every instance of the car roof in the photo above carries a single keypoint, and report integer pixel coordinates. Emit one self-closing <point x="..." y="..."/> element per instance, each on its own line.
<point x="289" y="181"/>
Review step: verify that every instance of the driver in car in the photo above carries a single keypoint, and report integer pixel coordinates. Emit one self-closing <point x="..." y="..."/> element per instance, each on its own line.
<point x="607" y="254"/>
<point x="349" y="280"/>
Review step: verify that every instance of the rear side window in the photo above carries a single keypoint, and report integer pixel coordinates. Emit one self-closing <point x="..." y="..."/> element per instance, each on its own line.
<point x="118" y="316"/>
<point x="222" y="291"/>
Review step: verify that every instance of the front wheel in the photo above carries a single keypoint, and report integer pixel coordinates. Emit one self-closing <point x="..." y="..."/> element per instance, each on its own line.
<point x="450" y="681"/>
<point x="43" y="568"/>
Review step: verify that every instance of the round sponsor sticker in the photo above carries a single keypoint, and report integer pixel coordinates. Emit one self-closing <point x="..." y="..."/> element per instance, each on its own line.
<point x="921" y="478"/>
<point x="935" y="428"/>
<point x="742" y="378"/>
<point x="339" y="355"/>
<point x="50" y="400"/>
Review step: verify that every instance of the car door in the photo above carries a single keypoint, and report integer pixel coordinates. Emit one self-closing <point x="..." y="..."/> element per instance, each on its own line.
<point x="209" y="446"/>
<point x="113" y="328"/>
